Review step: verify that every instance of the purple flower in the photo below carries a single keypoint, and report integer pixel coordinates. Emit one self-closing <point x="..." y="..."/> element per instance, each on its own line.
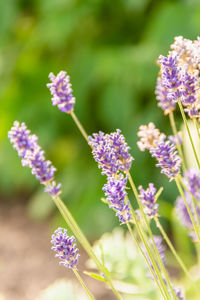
<point x="116" y="197"/>
<point x="170" y="76"/>
<point x="111" y="152"/>
<point x="65" y="247"/>
<point x="192" y="182"/>
<point x="60" y="88"/>
<point x="147" y="198"/>
<point x="161" y="95"/>
<point x="167" y="158"/>
<point x="189" y="86"/>
<point x="33" y="156"/>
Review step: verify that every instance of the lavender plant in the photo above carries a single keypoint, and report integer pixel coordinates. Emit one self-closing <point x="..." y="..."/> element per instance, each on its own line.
<point x="178" y="83"/>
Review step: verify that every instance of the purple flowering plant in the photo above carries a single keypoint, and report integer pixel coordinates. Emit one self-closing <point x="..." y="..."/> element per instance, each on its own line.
<point x="177" y="85"/>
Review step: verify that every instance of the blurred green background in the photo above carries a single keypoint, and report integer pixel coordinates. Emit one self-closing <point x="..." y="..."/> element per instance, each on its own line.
<point x="109" y="48"/>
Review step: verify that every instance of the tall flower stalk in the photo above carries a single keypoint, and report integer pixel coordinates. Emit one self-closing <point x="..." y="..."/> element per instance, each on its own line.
<point x="32" y="156"/>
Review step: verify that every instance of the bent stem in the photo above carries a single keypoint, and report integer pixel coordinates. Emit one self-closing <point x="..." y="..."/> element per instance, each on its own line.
<point x="84" y="242"/>
<point x="83" y="284"/>
<point x="187" y="206"/>
<point x="158" y="224"/>
<point x="155" y="250"/>
<point x="189" y="133"/>
<point x="197" y="127"/>
<point x="175" y="133"/>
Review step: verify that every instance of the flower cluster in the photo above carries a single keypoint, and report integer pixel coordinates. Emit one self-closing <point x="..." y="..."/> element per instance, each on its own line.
<point x="65" y="247"/>
<point x="167" y="158"/>
<point x="170" y="76"/>
<point x="111" y="152"/>
<point x="148" y="199"/>
<point x="178" y="79"/>
<point x="33" y="157"/>
<point x="116" y="197"/>
<point x="149" y="136"/>
<point x="60" y="88"/>
<point x="188" y="51"/>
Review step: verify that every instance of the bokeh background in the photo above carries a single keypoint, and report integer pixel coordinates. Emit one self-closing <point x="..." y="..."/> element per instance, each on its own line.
<point x="109" y="48"/>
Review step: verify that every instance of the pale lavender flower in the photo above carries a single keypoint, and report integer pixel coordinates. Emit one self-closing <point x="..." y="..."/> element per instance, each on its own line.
<point x="167" y="158"/>
<point x="192" y="182"/>
<point x="178" y="293"/>
<point x="116" y="197"/>
<point x="149" y="136"/>
<point x="111" y="152"/>
<point x="33" y="157"/>
<point x="176" y="139"/>
<point x="148" y="200"/>
<point x="161" y="96"/>
<point x="60" y="88"/>
<point x="65" y="247"/>
<point x="184" y="216"/>
<point x="188" y="51"/>
<point x="182" y="211"/>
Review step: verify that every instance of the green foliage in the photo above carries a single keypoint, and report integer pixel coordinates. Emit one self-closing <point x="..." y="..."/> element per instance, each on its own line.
<point x="110" y="50"/>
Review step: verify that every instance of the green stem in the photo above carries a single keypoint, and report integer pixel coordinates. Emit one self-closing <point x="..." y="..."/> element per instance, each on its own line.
<point x="187" y="206"/>
<point x="159" y="260"/>
<point x="175" y="133"/>
<point x="172" y="248"/>
<point x="153" y="268"/>
<point x="189" y="133"/>
<point x="185" y="187"/>
<point x="83" y="284"/>
<point x="80" y="126"/>
<point x="146" y="259"/>
<point x="84" y="242"/>
<point x="197" y="127"/>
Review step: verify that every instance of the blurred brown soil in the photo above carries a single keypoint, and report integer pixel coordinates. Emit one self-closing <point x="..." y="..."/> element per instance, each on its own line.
<point x="27" y="264"/>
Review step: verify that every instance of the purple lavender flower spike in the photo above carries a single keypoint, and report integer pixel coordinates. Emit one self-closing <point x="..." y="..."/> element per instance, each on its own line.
<point x="161" y="96"/>
<point x="192" y="182"/>
<point x="170" y="76"/>
<point x="60" y="88"/>
<point x="65" y="247"/>
<point x="147" y="198"/>
<point x="111" y="152"/>
<point x="21" y="139"/>
<point x="189" y="84"/>
<point x="167" y="158"/>
<point x="32" y="154"/>
<point x="116" y="197"/>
